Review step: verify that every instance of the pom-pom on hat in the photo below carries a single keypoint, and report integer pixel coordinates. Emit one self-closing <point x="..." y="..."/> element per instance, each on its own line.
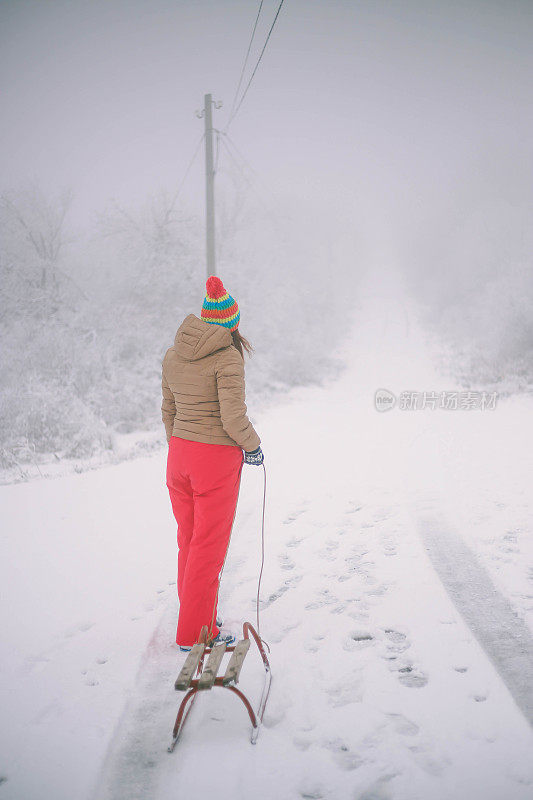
<point x="219" y="307"/>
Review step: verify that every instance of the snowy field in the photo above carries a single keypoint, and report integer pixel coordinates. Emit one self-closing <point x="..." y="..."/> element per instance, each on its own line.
<point x="399" y="557"/>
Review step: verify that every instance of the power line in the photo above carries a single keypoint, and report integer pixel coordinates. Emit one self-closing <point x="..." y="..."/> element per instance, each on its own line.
<point x="240" y="155"/>
<point x="246" y="58"/>
<point x="235" y="163"/>
<point x="255" y="68"/>
<point x="250" y="182"/>
<point x="215" y="169"/>
<point x="191" y="162"/>
<point x="253" y="179"/>
<point x="257" y="180"/>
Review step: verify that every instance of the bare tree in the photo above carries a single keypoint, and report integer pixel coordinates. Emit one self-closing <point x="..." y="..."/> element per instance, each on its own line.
<point x="33" y="240"/>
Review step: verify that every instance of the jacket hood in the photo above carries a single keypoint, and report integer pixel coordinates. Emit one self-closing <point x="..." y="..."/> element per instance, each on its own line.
<point x="196" y="339"/>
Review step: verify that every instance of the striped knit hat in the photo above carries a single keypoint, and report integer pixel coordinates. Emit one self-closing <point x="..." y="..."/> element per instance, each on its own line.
<point x="219" y="307"/>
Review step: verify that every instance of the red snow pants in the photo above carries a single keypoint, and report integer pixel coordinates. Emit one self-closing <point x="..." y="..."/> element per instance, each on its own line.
<point x="203" y="482"/>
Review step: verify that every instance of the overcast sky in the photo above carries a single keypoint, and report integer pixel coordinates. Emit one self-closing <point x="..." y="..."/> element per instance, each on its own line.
<point x="374" y="99"/>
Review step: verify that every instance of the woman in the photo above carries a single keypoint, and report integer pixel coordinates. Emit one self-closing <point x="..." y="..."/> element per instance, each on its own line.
<point x="207" y="430"/>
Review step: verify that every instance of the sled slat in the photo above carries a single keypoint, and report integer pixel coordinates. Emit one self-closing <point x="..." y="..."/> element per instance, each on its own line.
<point x="207" y="678"/>
<point x="188" y="670"/>
<point x="236" y="661"/>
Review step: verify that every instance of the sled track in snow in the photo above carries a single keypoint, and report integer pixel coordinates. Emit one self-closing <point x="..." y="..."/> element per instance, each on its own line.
<point x="504" y="636"/>
<point x="138" y="746"/>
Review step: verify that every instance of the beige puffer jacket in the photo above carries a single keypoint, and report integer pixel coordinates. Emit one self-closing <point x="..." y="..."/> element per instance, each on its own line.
<point x="203" y="387"/>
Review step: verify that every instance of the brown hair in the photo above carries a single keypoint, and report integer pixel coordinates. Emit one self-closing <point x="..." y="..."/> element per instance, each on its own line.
<point x="240" y="342"/>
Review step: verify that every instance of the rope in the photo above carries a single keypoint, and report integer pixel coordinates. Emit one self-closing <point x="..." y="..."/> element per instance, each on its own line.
<point x="255" y="68"/>
<point x="262" y="557"/>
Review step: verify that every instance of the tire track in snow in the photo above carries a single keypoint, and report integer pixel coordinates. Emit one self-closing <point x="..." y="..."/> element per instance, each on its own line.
<point x="138" y="747"/>
<point x="503" y="635"/>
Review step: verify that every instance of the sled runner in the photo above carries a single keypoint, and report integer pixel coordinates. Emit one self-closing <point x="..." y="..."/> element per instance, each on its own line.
<point x="196" y="675"/>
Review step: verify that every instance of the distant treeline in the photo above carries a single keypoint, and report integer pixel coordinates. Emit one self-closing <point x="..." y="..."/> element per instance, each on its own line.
<point x="87" y="317"/>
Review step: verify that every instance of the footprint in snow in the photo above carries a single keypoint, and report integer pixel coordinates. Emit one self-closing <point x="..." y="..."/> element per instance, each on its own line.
<point x="360" y="614"/>
<point x="508" y="543"/>
<point x="289" y="584"/>
<point x="294" y="516"/>
<point x="285" y="562"/>
<point x="328" y="553"/>
<point x="281" y="633"/>
<point x="325" y="598"/>
<point x="408" y="674"/>
<point x="37" y="663"/>
<point x="338" y="609"/>
<point x="343" y="693"/>
<point x="275" y="596"/>
<point x="430" y="764"/>
<point x="402" y="725"/>
<point x="376" y="591"/>
<point x="312" y="791"/>
<point x="389" y="546"/>
<point x="314" y="644"/>
<point x="355" y="566"/>
<point x="325" y="555"/>
<point x="397" y="641"/>
<point x="358" y="640"/>
<point x="82" y="628"/>
<point x="90" y="679"/>
<point x="302" y="743"/>
<point x="353" y="509"/>
<point x="342" y="754"/>
<point x="359" y="551"/>
<point x="376" y="792"/>
<point x="412" y="678"/>
<point x="294" y="542"/>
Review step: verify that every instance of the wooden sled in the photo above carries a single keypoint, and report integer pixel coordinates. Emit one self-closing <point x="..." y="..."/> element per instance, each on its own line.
<point x="197" y="676"/>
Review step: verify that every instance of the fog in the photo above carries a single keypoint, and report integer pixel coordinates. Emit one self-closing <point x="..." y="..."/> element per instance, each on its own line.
<point x="374" y="135"/>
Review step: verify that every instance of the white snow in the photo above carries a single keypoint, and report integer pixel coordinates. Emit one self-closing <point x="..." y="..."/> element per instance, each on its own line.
<point x="381" y="690"/>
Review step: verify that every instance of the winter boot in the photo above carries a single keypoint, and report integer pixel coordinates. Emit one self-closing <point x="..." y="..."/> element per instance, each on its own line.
<point x="221" y="638"/>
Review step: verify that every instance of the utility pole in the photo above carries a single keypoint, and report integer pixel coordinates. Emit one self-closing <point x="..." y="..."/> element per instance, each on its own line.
<point x="209" y="183"/>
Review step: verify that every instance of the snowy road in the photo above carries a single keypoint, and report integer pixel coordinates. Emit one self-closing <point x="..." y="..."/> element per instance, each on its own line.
<point x="382" y="689"/>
